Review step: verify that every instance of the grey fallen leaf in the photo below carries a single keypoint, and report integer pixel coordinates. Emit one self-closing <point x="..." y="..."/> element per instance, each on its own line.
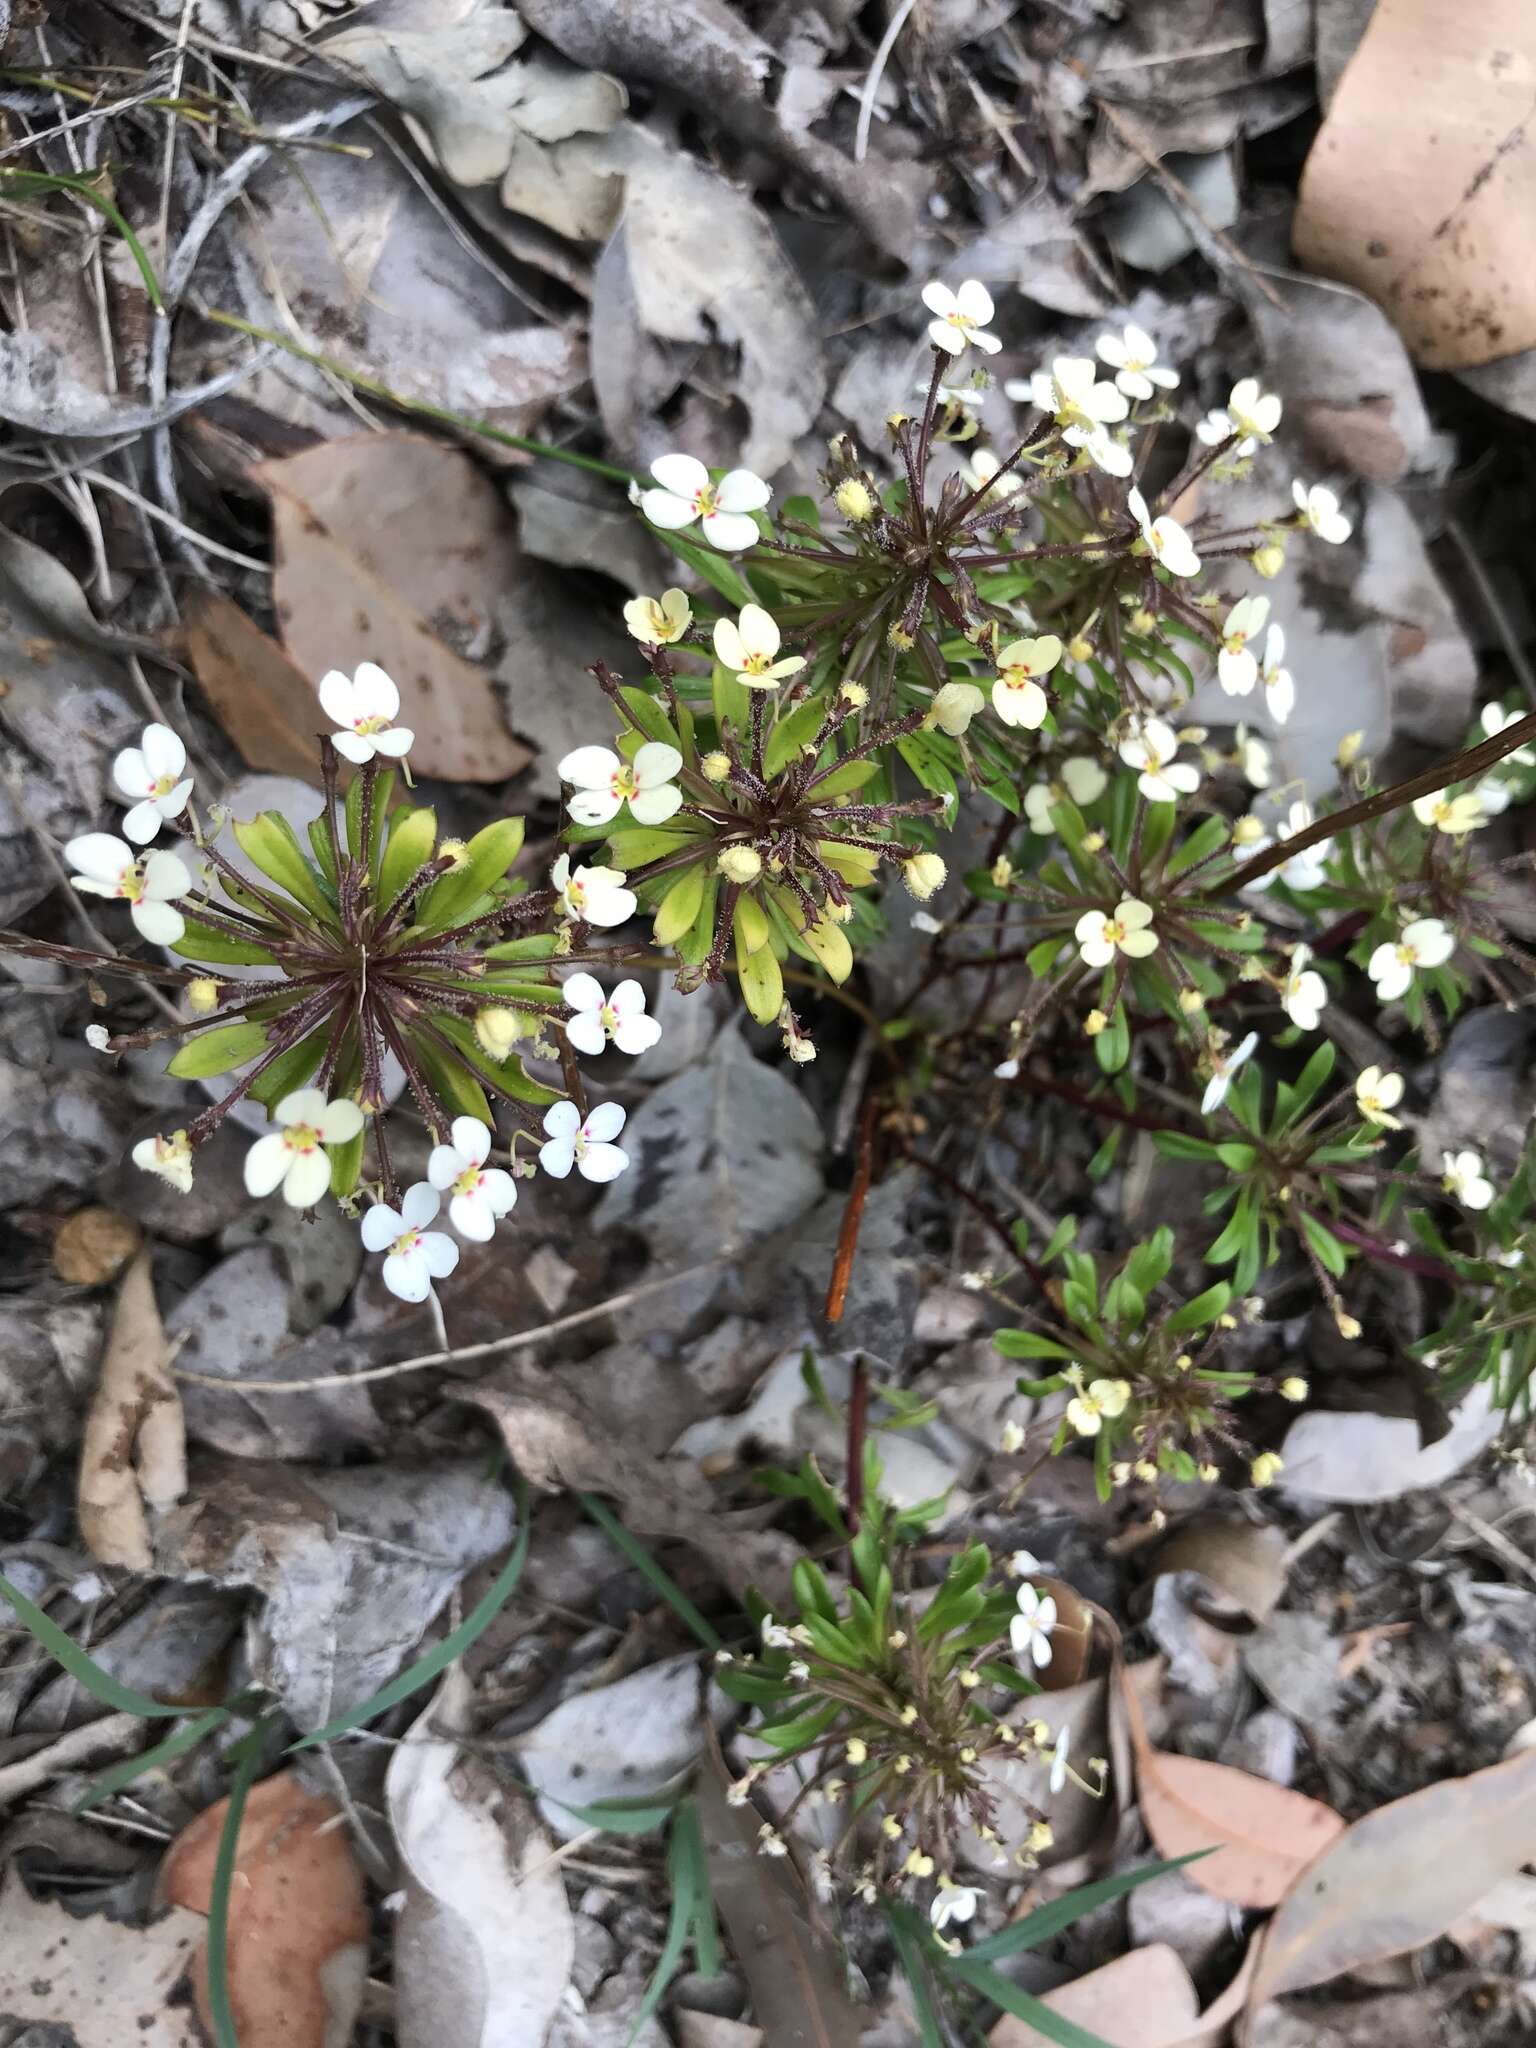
<point x="105" y="1983"/>
<point x="166" y="1647"/>
<point x="1201" y="1658"/>
<point x="1150" y="230"/>
<point x="354" y="1564"/>
<point x="485" y="1942"/>
<point x="1295" y="1659"/>
<point x="627" y="1740"/>
<point x="38" y="392"/>
<point x="725" y="1155"/>
<point x="579" y="521"/>
<point x="1485" y="1090"/>
<point x="1359" y="1457"/>
<point x="1509" y="383"/>
<point x="1039" y="249"/>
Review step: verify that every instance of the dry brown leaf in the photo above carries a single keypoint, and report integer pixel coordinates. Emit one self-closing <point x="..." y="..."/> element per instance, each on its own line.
<point x="266" y="703"/>
<point x="1421" y="185"/>
<point x="95" y="1983"/>
<point x="1399" y="1878"/>
<point x="1262" y="1836"/>
<point x="298" y="1927"/>
<point x="1244" y="1561"/>
<point x="1146" y="1999"/>
<point x="382" y="545"/>
<point x="1071" y="1639"/>
<point x="134" y="1449"/>
<point x="93" y="1246"/>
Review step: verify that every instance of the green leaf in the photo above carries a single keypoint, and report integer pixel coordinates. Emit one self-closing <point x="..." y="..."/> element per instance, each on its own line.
<point x="732" y="700"/>
<point x="383" y="785"/>
<point x="1112" y="1047"/>
<point x="21" y="183"/>
<point x="347" y="1164"/>
<point x="827" y="942"/>
<point x="648" y="1567"/>
<point x="202" y="943"/>
<point x="1029" y="1344"/>
<point x="1332" y="1255"/>
<point x="1002" y="1991"/>
<point x="677" y="910"/>
<point x="844" y="778"/>
<point x="1207" y="838"/>
<point x="650" y="717"/>
<point x="1241" y="1158"/>
<point x="218" y="1049"/>
<point x="1050" y="1920"/>
<point x="107" y="1784"/>
<point x="271" y="845"/>
<point x="694" y="946"/>
<point x="914" y="1967"/>
<point x="762" y="983"/>
<point x="1241" y="1226"/>
<point x="635" y="846"/>
<point x="717" y="570"/>
<point x="458" y="1089"/>
<point x="291" y="1069"/>
<point x="246" y="1756"/>
<point x="1175" y="1145"/>
<point x="792" y="733"/>
<point x="412" y="836"/>
<point x="1205" y="1308"/>
<point x="85" y="1671"/>
<point x="1313" y="1077"/>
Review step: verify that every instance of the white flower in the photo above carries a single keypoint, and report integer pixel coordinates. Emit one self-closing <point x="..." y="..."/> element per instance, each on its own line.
<point x="1059" y="1759"/>
<point x="1099" y="936"/>
<point x="1024" y="1564"/>
<point x="151" y="774"/>
<point x="1223" y="1071"/>
<point x="954" y="706"/>
<point x="960" y="317"/>
<point x="1088" y="1407"/>
<point x="477" y="1194"/>
<point x="1465" y="1180"/>
<point x="1253" y="412"/>
<point x="149" y="886"/>
<point x="1132" y="354"/>
<point x="1016" y="697"/>
<point x="595" y="895"/>
<point x="1151" y="749"/>
<point x="1166" y="540"/>
<point x="413" y="1255"/>
<point x="1279" y="689"/>
<point x="1494" y="796"/>
<point x="1084" y="409"/>
<point x="925" y="921"/>
<point x="1377" y="1095"/>
<point x="294" y="1155"/>
<point x="1304" y="870"/>
<point x="1319" y="509"/>
<point x="775" y="1635"/>
<point x="955" y="1902"/>
<point x="1236" y="665"/>
<point x="620" y="1017"/>
<point x="98" y="1037"/>
<point x="723" y="509"/>
<point x="1079" y="777"/>
<point x="659" y="621"/>
<point x="1305" y="992"/>
<point x="1452" y="815"/>
<point x="1030" y="1629"/>
<point x="750" y="647"/>
<point x="588" y="1146"/>
<point x="365" y="703"/>
<point x="170" y="1157"/>
<point x="1219" y="426"/>
<point x="1425" y="942"/>
<point x="980" y="471"/>
<point x="1494" y="720"/>
<point x="604" y="783"/>
<point x="1255" y="759"/>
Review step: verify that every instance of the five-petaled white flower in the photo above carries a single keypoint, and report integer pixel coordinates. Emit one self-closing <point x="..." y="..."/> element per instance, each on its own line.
<point x="1151" y="748"/>
<point x="1084" y="409"/>
<point x="981" y="473"/>
<point x="170" y="1157"/>
<point x="1465" y="1179"/>
<point x="1016" y="697"/>
<point x="1279" y="689"/>
<point x="604" y="782"/>
<point x="955" y="1902"/>
<point x="151" y="774"/>
<point x="1452" y="815"/>
<point x="1079" y="777"/>
<point x="1089" y="1405"/>
<point x="1318" y="509"/>
<point x="365" y="704"/>
<point x="1100" y="936"/>
<point x="960" y="317"/>
<point x="1426" y="942"/>
<point x="1237" y="665"/>
<point x="594" y="895"/>
<point x="588" y="1146"/>
<point x="659" y="621"/>
<point x="477" y="1194"/>
<point x="1305" y="993"/>
<point x="1254" y="412"/>
<point x="294" y="1156"/>
<point x="1219" y="426"/>
<point x="620" y="1017"/>
<point x="1166" y="541"/>
<point x="1059" y="1758"/>
<point x="724" y="510"/>
<point x="749" y="646"/>
<point x="105" y="866"/>
<point x="1494" y="719"/>
<point x="1224" y="1067"/>
<point x="413" y="1255"/>
<point x="1030" y="1629"/>
<point x="1132" y="355"/>
<point x="954" y="706"/>
<point x="1377" y="1095"/>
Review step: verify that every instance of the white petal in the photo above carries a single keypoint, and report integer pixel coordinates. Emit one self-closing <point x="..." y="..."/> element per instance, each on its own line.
<point x="731" y="531"/>
<point x="636" y="1034"/>
<point x="656" y="763"/>
<point x="265" y="1164"/>
<point x="938" y="298"/>
<point x="605" y="1121"/>
<point x="603" y="1162"/>
<point x="303" y="1106"/>
<point x="471" y="1218"/>
<point x="307" y="1179"/>
<point x="100" y="856"/>
<point x="444" y="1165"/>
<point x="406" y="1275"/>
<point x="628" y="999"/>
<point x="586" y="1034"/>
<point x="337" y="699"/>
<point x="164" y="754"/>
<point x="142" y="822"/>
<point x="165" y="877"/>
<point x="562" y="1120"/>
<point x="353" y="747"/>
<point x="1112" y="350"/>
<point x="683" y="475"/>
<point x="381" y="1226"/>
<point x="420" y="1204"/>
<point x="440" y="1253"/>
<point x="610" y="906"/>
<point x="558" y="1157"/>
<point x="498" y="1190"/>
<point x="374" y="692"/>
<point x="740" y="490"/>
<point x="655" y="806"/>
<point x="975" y="301"/>
<point x="665" y="509"/>
<point x="395" y="743"/>
<point x="161" y="923"/>
<point x="590" y="767"/>
<point x="130" y="771"/>
<point x="174" y="802"/>
<point x="594" y="806"/>
<point x="583" y="992"/>
<point x="341" y="1122"/>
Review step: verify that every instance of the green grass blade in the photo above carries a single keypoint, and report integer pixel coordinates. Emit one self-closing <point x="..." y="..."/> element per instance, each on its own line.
<point x="644" y="1563"/>
<point x="112" y="1781"/>
<point x="682" y="1874"/>
<point x="688" y="1846"/>
<point x="442" y="1654"/>
<point x="25" y="182"/>
<point x="914" y="1967"/>
<point x="994" y="1985"/>
<point x="101" y="1685"/>
<point x="246" y="1755"/>
<point x="1049" y="1920"/>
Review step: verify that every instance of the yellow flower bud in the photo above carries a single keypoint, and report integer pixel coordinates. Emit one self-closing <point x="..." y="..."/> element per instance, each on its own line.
<point x="1079" y="648"/>
<point x="1146" y="1471"/>
<point x="455" y="852"/>
<point x="1207" y="1471"/>
<point x="890" y="1827"/>
<point x="1002" y="871"/>
<point x="1143" y="621"/>
<point x="1269" y="557"/>
<point x="1191" y="1002"/>
<point x="715" y="767"/>
<point x="840" y="913"/>
<point x="498" y="1030"/>
<point x="1266" y="1468"/>
<point x="923" y="875"/>
<point x="897" y="1640"/>
<point x="1094" y="1023"/>
<point x="1040" y="1836"/>
<point x="855" y="694"/>
<point x="857" y="1751"/>
<point x="918" y="1865"/>
<point x="1094" y="843"/>
<point x="1293" y="1389"/>
<point x="901" y="1764"/>
<point x="740" y="864"/>
<point x="1349" y="749"/>
<point x="908" y="1715"/>
<point x="1348" y="1325"/>
<point x="202" y="995"/>
<point x="900" y="638"/>
<point x="854" y="500"/>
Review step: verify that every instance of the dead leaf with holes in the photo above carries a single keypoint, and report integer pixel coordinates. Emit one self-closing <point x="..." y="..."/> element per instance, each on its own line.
<point x="1261" y="1836"/>
<point x="96" y="1982"/>
<point x="1421" y="185"/>
<point x="298" y="1926"/>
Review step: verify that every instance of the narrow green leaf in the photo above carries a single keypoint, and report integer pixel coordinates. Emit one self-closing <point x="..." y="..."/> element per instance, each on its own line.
<point x="648" y="1567"/>
<point x="200" y="942"/>
<point x="271" y="845"/>
<point x="246" y="1756"/>
<point x="101" y="1685"/>
<point x="216" y="1050"/>
<point x="107" y="1784"/>
<point x="412" y="836"/>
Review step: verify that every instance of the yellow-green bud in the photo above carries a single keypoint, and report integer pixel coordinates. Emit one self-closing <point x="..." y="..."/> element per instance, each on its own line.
<point x="739" y="864"/>
<point x="1349" y="749"/>
<point x="1206" y="1471"/>
<point x="1143" y="621"/>
<point x="715" y="767"/>
<point x="202" y="995"/>
<point x="854" y="500"/>
<point x="1079" y="648"/>
<point x="1191" y="1002"/>
<point x="1266" y="1468"/>
<point x="1002" y="871"/>
<point x="855" y="694"/>
<point x="498" y="1030"/>
<point x="1094" y="1023"/>
<point x="1294" y="1388"/>
<point x="1269" y="557"/>
<point x="924" y="875"/>
<point x="900" y="638"/>
<point x="454" y="851"/>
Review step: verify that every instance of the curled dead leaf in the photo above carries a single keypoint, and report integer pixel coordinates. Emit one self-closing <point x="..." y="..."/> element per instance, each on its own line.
<point x="298" y="1927"/>
<point x="1242" y="1560"/>
<point x="1072" y="1639"/>
<point x="134" y="1449"/>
